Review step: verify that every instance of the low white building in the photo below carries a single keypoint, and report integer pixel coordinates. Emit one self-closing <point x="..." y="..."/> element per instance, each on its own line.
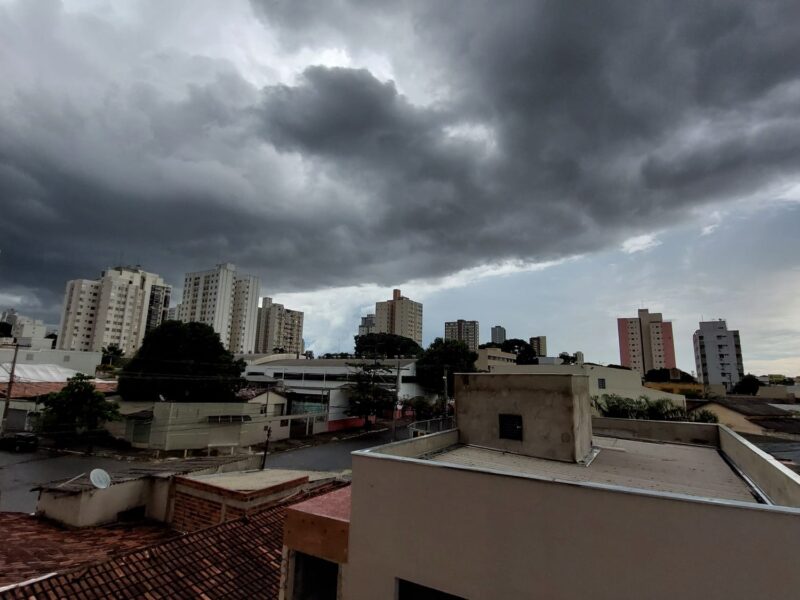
<point x="76" y="360"/>
<point x="319" y="384"/>
<point x="602" y="380"/>
<point x="220" y="426"/>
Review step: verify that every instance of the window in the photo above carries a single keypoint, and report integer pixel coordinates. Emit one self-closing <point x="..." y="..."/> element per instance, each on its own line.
<point x="413" y="591"/>
<point x="66" y="358"/>
<point x="511" y="427"/>
<point x="284" y="422"/>
<point x="601" y="383"/>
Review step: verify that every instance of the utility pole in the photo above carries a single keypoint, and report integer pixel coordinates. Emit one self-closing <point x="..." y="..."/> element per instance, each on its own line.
<point x="444" y="407"/>
<point x="9" y="390"/>
<point x="396" y="401"/>
<point x="266" y="448"/>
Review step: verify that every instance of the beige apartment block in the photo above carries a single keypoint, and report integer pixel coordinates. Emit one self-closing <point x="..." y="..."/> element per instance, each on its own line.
<point x="539" y="345"/>
<point x="400" y="316"/>
<point x="227" y="301"/>
<point x="463" y="331"/>
<point x="490" y="359"/>
<point x="646" y="342"/>
<point x="279" y="328"/>
<point x="119" y="308"/>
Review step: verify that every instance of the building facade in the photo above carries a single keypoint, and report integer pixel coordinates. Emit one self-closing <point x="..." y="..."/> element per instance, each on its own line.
<point x="463" y="331"/>
<point x="27" y="331"/>
<point x="646" y="342"/>
<point x="400" y="316"/>
<point x="539" y="345"/>
<point x="367" y="325"/>
<point x="498" y="334"/>
<point x="119" y="308"/>
<point x="225" y="300"/>
<point x="279" y="328"/>
<point x="718" y="354"/>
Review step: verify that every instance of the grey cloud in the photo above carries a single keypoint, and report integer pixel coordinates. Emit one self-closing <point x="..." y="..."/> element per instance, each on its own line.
<point x="554" y="129"/>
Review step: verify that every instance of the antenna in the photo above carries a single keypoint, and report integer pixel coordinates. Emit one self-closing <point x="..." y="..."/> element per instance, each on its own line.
<point x="100" y="479"/>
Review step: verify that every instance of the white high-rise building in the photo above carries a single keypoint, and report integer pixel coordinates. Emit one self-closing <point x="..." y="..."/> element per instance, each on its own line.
<point x="718" y="354"/>
<point x="463" y="331"/>
<point x="119" y="308"/>
<point x="279" y="328"/>
<point x="400" y="316"/>
<point x="225" y="300"/>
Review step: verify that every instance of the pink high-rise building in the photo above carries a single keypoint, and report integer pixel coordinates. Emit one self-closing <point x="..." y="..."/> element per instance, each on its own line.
<point x="645" y="342"/>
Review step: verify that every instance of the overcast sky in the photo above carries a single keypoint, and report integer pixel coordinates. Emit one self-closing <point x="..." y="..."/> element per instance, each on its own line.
<point x="547" y="166"/>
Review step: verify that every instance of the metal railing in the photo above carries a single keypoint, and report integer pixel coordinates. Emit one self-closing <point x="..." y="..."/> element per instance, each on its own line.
<point x="419" y="428"/>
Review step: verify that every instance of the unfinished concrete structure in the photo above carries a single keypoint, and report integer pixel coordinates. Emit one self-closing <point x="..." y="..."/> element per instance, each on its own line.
<point x="664" y="510"/>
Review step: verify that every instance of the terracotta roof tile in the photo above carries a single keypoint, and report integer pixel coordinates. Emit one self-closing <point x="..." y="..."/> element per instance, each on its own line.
<point x="236" y="559"/>
<point x="22" y="390"/>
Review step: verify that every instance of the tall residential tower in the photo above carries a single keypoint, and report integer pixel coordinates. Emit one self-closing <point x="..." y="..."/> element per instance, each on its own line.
<point x="279" y="328"/>
<point x="227" y="301"/>
<point x="645" y="342"/>
<point x="718" y="354"/>
<point x="119" y="308"/>
<point x="463" y="331"/>
<point x="498" y="334"/>
<point x="400" y="316"/>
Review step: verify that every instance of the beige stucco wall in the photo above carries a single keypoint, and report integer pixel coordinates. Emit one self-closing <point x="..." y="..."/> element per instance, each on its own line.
<point x="485" y="536"/>
<point x="94" y="507"/>
<point x="554" y="408"/>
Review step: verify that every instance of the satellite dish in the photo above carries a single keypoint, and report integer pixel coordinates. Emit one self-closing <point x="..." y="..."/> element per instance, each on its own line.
<point x="100" y="479"/>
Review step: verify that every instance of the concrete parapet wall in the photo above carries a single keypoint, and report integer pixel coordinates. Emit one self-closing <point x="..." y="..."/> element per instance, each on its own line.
<point x="706" y="434"/>
<point x="780" y="484"/>
<point x="418" y="446"/>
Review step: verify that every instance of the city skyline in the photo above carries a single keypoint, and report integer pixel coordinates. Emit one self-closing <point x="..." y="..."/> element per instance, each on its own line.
<point x="335" y="159"/>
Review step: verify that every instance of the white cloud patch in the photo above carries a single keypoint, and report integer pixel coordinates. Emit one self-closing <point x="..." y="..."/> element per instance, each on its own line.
<point x="640" y="243"/>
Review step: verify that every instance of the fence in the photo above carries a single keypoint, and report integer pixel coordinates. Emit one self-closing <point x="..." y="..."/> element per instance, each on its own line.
<point x="418" y="428"/>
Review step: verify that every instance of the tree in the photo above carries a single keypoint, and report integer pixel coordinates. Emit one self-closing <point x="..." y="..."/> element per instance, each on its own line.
<point x="747" y="385"/>
<point x="567" y="358"/>
<point x="385" y="345"/>
<point x="368" y="393"/>
<point x="526" y="355"/>
<point x="78" y="409"/>
<point x="665" y="376"/>
<point x="452" y="355"/>
<point x="182" y="362"/>
<point x="112" y="353"/>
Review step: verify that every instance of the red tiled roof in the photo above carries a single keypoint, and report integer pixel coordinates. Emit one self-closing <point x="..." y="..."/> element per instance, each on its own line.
<point x="236" y="559"/>
<point x="22" y="390"/>
<point x="32" y="547"/>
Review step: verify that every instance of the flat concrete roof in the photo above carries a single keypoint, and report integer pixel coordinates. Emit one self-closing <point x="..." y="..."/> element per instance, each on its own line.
<point x="661" y="467"/>
<point x="248" y="481"/>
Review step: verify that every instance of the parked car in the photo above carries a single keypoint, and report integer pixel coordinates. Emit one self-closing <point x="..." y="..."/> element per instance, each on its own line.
<point x="19" y="442"/>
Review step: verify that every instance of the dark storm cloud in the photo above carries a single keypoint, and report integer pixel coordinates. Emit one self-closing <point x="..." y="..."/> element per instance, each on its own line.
<point x="531" y="130"/>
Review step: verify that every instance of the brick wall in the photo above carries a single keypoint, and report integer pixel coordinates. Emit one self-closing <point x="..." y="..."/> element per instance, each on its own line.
<point x="197" y="505"/>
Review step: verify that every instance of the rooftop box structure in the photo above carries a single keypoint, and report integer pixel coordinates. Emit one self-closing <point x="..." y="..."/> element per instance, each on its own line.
<point x="544" y="417"/>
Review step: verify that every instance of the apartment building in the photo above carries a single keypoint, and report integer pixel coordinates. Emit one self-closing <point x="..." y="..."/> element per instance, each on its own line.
<point x="25" y="330"/>
<point x="718" y="354"/>
<point x="227" y="301"/>
<point x="400" y="316"/>
<point x="523" y="497"/>
<point x="279" y="328"/>
<point x="539" y="345"/>
<point x="498" y="334"/>
<point x="367" y="325"/>
<point x="489" y="359"/>
<point x="463" y="331"/>
<point x="119" y="308"/>
<point x="646" y="342"/>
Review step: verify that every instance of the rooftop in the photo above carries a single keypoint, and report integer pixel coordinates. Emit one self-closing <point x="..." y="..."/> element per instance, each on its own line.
<point x="236" y="559"/>
<point x="33" y="547"/>
<point x="247" y="481"/>
<point x="166" y="468"/>
<point x="674" y="468"/>
<point x="338" y="362"/>
<point x="750" y="406"/>
<point x="23" y="390"/>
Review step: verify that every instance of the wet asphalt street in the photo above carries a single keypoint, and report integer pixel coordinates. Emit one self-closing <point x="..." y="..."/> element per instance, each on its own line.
<point x="21" y="472"/>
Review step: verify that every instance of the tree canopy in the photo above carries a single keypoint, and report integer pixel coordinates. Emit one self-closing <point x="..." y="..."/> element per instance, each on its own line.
<point x="665" y="376"/>
<point x="111" y="354"/>
<point x="444" y="354"/>
<point x="182" y="362"/>
<point x="385" y="345"/>
<point x="367" y="393"/>
<point x="747" y="385"/>
<point x="611" y="405"/>
<point x="77" y="409"/>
